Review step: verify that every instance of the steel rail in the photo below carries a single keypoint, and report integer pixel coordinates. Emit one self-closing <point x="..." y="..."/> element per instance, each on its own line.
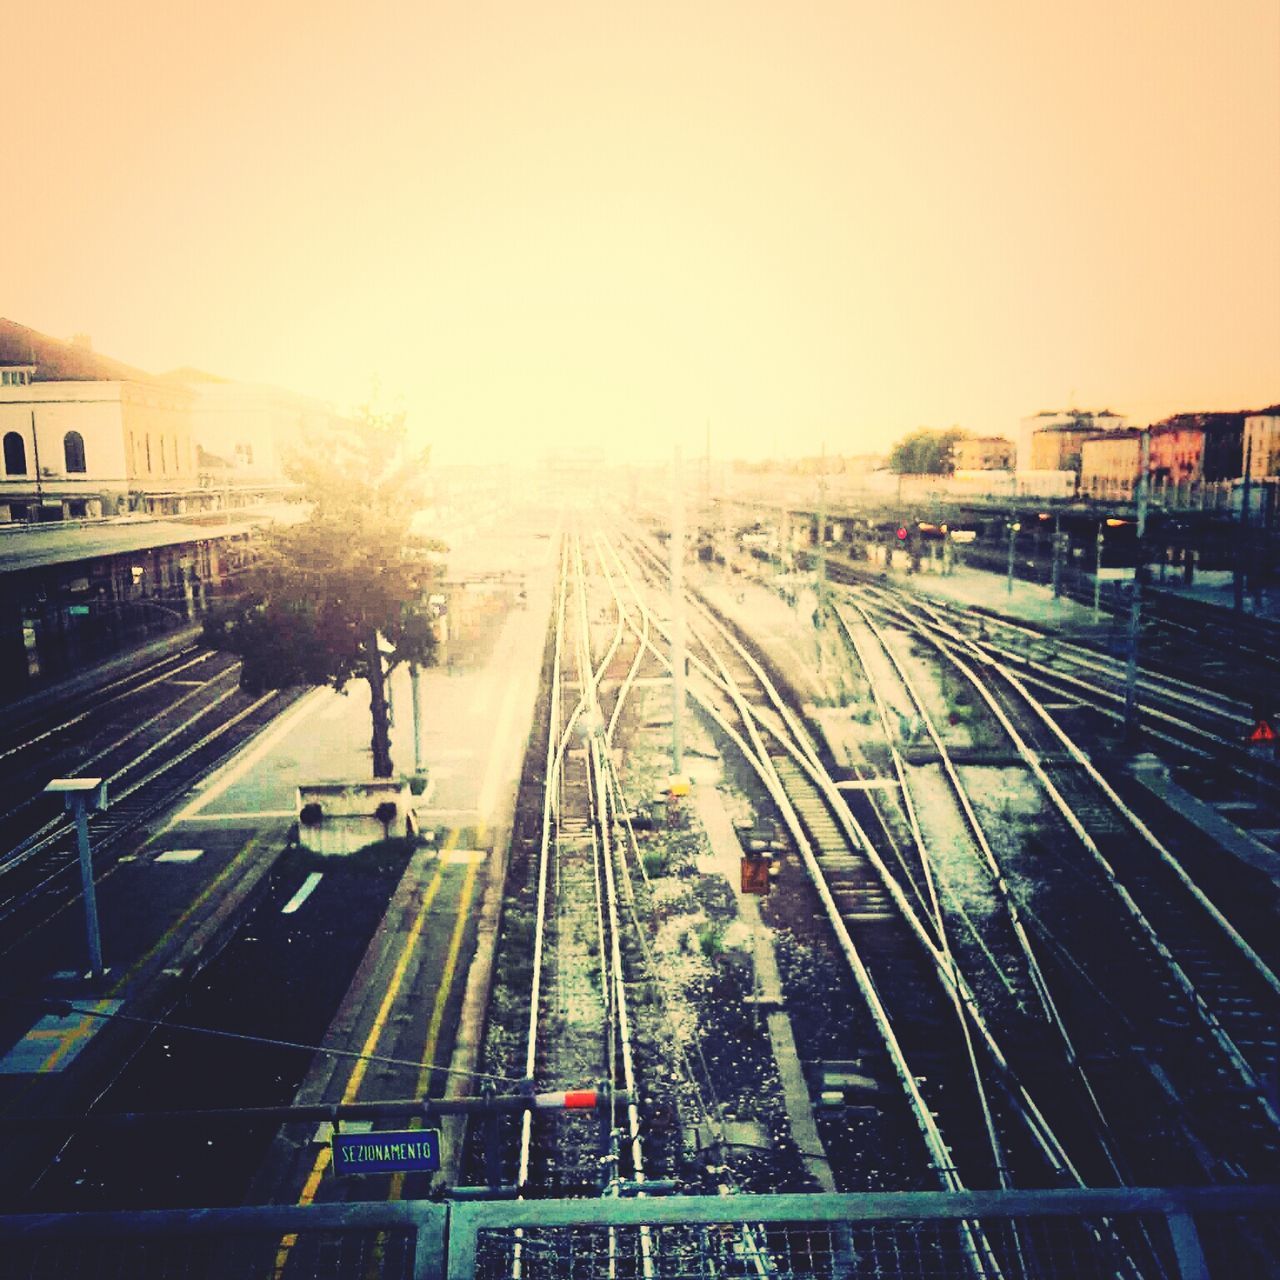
<point x="84" y="764"/>
<point x="756" y="1252"/>
<point x="992" y="865"/>
<point x="1041" y="1132"/>
<point x="108" y="826"/>
<point x="1069" y="684"/>
<point x="620" y="1019"/>
<point x="1038" y="1127"/>
<point x="82" y="716"/>
<point x="1265" y="972"/>
<point x="922" y="851"/>
<point x="555" y="748"/>
<point x="1199" y="1005"/>
<point x="978" y="1250"/>
<point x="1175" y="688"/>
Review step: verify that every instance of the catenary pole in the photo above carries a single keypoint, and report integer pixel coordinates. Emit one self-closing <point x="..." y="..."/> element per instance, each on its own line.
<point x="1135" y="602"/>
<point x="677" y="615"/>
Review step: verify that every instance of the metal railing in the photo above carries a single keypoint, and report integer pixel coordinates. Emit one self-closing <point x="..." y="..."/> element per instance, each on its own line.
<point x="1205" y="1234"/>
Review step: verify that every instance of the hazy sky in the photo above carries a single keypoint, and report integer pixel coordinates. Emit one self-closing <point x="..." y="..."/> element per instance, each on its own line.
<point x="552" y="223"/>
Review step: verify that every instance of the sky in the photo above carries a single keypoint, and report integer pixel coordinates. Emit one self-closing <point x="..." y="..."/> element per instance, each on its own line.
<point x="550" y="225"/>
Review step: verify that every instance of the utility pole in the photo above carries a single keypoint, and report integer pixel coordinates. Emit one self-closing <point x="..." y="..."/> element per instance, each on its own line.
<point x="81" y="795"/>
<point x="820" y="620"/>
<point x="1135" y="601"/>
<point x="726" y="533"/>
<point x="677" y="615"/>
<point x="1014" y="527"/>
<point x="1097" y="576"/>
<point x="1239" y="557"/>
<point x="1057" y="554"/>
<point x="415" y="674"/>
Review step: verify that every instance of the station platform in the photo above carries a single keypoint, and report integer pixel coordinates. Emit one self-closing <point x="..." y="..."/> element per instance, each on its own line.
<point x="175" y="899"/>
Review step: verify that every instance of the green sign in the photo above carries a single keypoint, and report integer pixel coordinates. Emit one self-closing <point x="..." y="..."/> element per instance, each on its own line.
<point x="387" y="1151"/>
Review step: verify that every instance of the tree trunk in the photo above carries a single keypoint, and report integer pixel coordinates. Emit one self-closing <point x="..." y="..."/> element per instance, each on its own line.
<point x="382" y="767"/>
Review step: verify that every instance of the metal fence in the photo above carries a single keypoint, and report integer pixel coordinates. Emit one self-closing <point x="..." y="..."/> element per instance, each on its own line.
<point x="1210" y="1234"/>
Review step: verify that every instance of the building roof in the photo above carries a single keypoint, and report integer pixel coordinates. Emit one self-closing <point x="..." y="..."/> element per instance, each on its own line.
<point x="1069" y="428"/>
<point x="1076" y="413"/>
<point x="38" y="546"/>
<point x="1209" y="423"/>
<point x="187" y="375"/>
<point x="1116" y="433"/>
<point x="57" y="361"/>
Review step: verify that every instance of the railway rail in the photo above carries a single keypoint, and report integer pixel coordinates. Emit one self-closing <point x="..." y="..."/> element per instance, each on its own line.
<point x="150" y="735"/>
<point x="978" y="1121"/>
<point x="1194" y="994"/>
<point x="1203" y="1014"/>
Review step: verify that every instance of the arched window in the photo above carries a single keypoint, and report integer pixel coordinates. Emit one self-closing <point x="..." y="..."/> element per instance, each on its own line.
<point x="73" y="447"/>
<point x="15" y="454"/>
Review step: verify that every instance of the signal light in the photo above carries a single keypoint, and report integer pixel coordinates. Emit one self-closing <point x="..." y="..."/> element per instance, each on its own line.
<point x="902" y="533"/>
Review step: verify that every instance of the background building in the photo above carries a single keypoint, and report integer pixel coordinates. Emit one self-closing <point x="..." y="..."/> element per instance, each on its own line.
<point x="1262" y="443"/>
<point x="82" y="435"/>
<point x="1223" y="450"/>
<point x="244" y="433"/>
<point x="983" y="453"/>
<point x="1081" y="421"/>
<point x="1109" y="463"/>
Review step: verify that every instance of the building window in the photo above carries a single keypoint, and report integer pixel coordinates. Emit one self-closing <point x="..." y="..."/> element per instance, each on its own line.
<point x="73" y="447"/>
<point x="148" y="450"/>
<point x="15" y="454"/>
<point x="14" y="377"/>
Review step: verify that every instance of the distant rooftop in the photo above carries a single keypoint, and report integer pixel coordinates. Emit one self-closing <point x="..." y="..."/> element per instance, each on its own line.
<point x="58" y="361"/>
<point x="187" y="375"/>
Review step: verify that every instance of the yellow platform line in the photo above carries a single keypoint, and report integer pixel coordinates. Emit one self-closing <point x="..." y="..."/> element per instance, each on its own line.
<point x="119" y="987"/>
<point x="311" y="1186"/>
<point x="441" y="1000"/>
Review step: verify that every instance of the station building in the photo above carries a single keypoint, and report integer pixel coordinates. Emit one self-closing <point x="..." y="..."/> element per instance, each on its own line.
<point x="128" y="501"/>
<point x="85" y="436"/>
<point x="73" y="593"/>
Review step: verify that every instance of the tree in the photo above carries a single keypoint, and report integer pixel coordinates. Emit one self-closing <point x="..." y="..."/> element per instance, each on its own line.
<point x="341" y="595"/>
<point x="925" y="452"/>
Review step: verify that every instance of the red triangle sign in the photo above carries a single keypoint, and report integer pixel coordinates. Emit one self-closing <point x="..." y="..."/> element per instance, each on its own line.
<point x="1262" y="732"/>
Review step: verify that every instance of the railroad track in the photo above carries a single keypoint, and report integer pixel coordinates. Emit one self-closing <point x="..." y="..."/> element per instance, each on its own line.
<point x="150" y="736"/>
<point x="971" y="1099"/>
<point x="1130" y="933"/>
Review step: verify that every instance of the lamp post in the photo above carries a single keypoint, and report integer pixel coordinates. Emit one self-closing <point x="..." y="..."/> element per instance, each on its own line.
<point x="1014" y="527"/>
<point x="1131" y="708"/>
<point x="415" y="685"/>
<point x="677" y="612"/>
<point x="82" y="795"/>
<point x="1097" y="576"/>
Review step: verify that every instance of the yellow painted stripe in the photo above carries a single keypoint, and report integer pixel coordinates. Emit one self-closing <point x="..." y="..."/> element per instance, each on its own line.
<point x="311" y="1187"/>
<point x="118" y="987"/>
<point x="442" y="999"/>
<point x="397" y="980"/>
<point x="216" y="885"/>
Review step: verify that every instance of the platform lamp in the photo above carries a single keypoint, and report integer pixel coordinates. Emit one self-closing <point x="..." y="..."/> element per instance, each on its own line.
<point x="1015" y="527"/>
<point x="82" y="795"/>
